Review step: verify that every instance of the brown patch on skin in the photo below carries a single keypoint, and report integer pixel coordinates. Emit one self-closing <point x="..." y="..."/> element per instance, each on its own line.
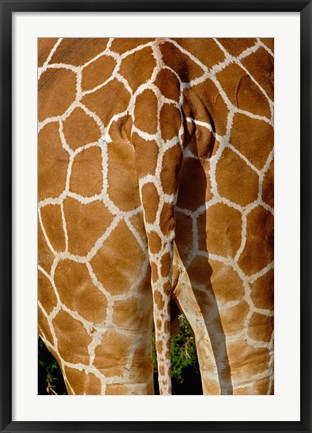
<point x="183" y="65"/>
<point x="260" y="327"/>
<point x="73" y="339"/>
<point x="44" y="327"/>
<point x="245" y="390"/>
<point x="138" y="223"/>
<point x="242" y="91"/>
<point x="145" y="112"/>
<point x="253" y="138"/>
<point x="52" y="163"/>
<point x="204" y="49"/>
<point x="121" y="247"/>
<point x="236" y="46"/>
<point x="83" y="383"/>
<point x="121" y="45"/>
<point x="233" y="319"/>
<point x="170" y="121"/>
<point x="258" y="251"/>
<point x="128" y="314"/>
<point x="159" y="346"/>
<point x="167" y="326"/>
<point x="207" y="304"/>
<point x="56" y="91"/>
<point x="269" y="42"/>
<point x="112" y="354"/>
<point x="138" y="67"/>
<point x="141" y="369"/>
<point x="162" y="370"/>
<point x="46" y="295"/>
<point x="261" y="66"/>
<point x="159" y="300"/>
<point x="80" y="129"/>
<point x="158" y="324"/>
<point x="142" y="286"/>
<point x="166" y="288"/>
<point x="78" y="51"/>
<point x="196" y="274"/>
<point x="219" y="230"/>
<point x="111" y="99"/>
<point x="268" y="186"/>
<point x="165" y="264"/>
<point x="122" y="190"/>
<point x="45" y="255"/>
<point x="77" y="291"/>
<point x="85" y="223"/>
<point x="246" y="361"/>
<point x="168" y="356"/>
<point x="86" y="177"/>
<point x="150" y="200"/>
<point x="170" y="169"/>
<point x="45" y="46"/>
<point x="147" y="164"/>
<point x="97" y="72"/>
<point x="183" y="234"/>
<point x="167" y="222"/>
<point x="154" y="272"/>
<point x="262" y="291"/>
<point x="225" y="282"/>
<point x="261" y="387"/>
<point x="211" y="102"/>
<point x="235" y="179"/>
<point x="168" y="84"/>
<point x="148" y="389"/>
<point x="202" y="142"/>
<point x="51" y="216"/>
<point x="193" y="194"/>
<point x="154" y="242"/>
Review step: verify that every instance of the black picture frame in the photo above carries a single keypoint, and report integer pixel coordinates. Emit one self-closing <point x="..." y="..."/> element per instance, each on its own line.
<point x="8" y="7"/>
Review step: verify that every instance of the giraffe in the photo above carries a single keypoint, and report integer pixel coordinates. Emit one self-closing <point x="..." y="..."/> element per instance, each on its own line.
<point x="155" y="164"/>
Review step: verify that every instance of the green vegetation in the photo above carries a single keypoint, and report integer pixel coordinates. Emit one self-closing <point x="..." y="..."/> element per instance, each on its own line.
<point x="183" y="351"/>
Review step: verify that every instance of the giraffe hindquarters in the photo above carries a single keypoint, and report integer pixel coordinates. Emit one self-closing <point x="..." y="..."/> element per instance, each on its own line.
<point x="230" y="358"/>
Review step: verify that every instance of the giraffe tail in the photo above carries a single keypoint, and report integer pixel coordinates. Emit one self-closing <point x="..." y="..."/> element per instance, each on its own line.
<point x="158" y="194"/>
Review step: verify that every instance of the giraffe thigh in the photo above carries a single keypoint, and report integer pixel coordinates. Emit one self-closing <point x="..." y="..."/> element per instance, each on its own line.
<point x="110" y="353"/>
<point x="234" y="344"/>
<point x="96" y="320"/>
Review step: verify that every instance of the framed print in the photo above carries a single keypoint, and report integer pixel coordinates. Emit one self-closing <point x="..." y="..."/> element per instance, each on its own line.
<point x="155" y="216"/>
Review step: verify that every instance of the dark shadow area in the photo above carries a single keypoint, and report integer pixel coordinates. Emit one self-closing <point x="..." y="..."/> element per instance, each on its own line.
<point x="50" y="379"/>
<point x="191" y="384"/>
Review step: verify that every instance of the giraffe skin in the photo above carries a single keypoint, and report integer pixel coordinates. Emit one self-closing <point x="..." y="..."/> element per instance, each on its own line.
<point x="156" y="182"/>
